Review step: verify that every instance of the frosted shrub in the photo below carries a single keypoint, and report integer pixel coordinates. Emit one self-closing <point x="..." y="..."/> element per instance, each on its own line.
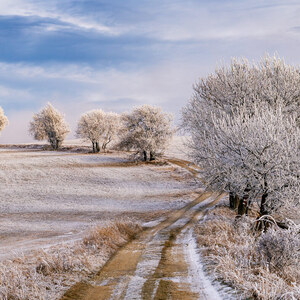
<point x="279" y="248"/>
<point x="239" y="153"/>
<point x="91" y="126"/>
<point x="271" y="81"/>
<point x="258" y="265"/>
<point x="111" y="129"/>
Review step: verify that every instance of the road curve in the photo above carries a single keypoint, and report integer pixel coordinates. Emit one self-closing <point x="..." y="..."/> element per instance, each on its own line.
<point x="154" y="265"/>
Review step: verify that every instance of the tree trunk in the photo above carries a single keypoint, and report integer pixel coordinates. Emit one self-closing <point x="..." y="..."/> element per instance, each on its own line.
<point x="55" y="145"/>
<point x="152" y="156"/>
<point x="145" y="155"/>
<point x="231" y="200"/>
<point x="263" y="224"/>
<point x="58" y="143"/>
<point x="236" y="201"/>
<point x="243" y="205"/>
<point x="247" y="208"/>
<point x="52" y="143"/>
<point x="104" y="145"/>
<point x="94" y="148"/>
<point x="97" y="147"/>
<point x="263" y="211"/>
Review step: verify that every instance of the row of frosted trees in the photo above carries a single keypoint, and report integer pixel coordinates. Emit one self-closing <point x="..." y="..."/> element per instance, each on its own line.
<point x="244" y="127"/>
<point x="244" y="122"/>
<point x="146" y="129"/>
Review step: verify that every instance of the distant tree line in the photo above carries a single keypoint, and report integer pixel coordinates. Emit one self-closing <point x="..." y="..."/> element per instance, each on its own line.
<point x="146" y="129"/>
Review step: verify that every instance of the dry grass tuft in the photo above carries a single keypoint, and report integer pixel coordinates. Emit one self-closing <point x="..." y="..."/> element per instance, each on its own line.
<point x="111" y="237"/>
<point x="47" y="274"/>
<point x="260" y="266"/>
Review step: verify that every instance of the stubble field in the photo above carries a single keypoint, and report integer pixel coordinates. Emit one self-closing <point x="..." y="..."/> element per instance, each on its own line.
<point x="51" y="197"/>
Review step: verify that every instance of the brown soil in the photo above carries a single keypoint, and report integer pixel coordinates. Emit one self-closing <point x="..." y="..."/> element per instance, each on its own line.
<point x="116" y="278"/>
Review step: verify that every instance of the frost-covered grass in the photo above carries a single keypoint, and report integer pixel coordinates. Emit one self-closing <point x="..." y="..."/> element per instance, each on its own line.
<point x="258" y="265"/>
<point x="47" y="274"/>
<point x="53" y="196"/>
<point x="36" y="181"/>
<point x="50" y="199"/>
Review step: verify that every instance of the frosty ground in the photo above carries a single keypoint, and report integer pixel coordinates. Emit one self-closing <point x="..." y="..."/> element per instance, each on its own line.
<point x="48" y="197"/>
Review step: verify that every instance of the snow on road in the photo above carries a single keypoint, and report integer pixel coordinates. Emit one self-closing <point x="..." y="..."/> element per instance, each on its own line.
<point x="199" y="282"/>
<point x="162" y="263"/>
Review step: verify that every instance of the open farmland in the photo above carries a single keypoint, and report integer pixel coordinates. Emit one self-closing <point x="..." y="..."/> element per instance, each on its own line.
<point x="51" y="197"/>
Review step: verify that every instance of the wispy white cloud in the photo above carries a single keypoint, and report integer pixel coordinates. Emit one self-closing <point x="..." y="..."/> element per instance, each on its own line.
<point x="172" y="20"/>
<point x="221" y="20"/>
<point x="50" y="10"/>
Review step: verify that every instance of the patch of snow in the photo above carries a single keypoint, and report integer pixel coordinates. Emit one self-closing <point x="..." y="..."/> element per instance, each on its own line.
<point x="146" y="266"/>
<point x="200" y="283"/>
<point x="152" y="223"/>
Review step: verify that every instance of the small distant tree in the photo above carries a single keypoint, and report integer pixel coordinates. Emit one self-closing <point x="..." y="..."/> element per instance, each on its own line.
<point x="98" y="127"/>
<point x="3" y="119"/>
<point x="91" y="127"/>
<point x="147" y="130"/>
<point x="49" y="124"/>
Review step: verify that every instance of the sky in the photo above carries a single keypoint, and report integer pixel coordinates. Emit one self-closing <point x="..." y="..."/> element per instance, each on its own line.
<point x="116" y="54"/>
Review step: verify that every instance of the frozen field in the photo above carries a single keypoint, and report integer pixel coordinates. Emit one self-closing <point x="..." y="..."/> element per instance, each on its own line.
<point x="48" y="197"/>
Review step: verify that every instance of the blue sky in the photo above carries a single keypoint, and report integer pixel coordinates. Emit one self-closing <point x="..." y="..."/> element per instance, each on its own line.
<point x="85" y="54"/>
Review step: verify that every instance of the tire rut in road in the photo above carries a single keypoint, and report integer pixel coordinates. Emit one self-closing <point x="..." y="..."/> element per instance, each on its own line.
<point x="171" y="279"/>
<point x="142" y="269"/>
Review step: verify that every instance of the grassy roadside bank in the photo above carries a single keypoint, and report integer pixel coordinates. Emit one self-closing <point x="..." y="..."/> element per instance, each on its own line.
<point x="257" y="265"/>
<point x="47" y="274"/>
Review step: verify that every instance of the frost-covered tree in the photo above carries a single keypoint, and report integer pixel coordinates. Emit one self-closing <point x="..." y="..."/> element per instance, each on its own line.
<point x="255" y="156"/>
<point x="91" y="127"/>
<point x="49" y="124"/>
<point x="270" y="81"/>
<point x="270" y="84"/>
<point x="97" y="126"/>
<point x="3" y="120"/>
<point x="147" y="130"/>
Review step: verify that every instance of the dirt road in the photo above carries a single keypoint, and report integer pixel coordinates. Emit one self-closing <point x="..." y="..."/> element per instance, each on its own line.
<point x="156" y="265"/>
